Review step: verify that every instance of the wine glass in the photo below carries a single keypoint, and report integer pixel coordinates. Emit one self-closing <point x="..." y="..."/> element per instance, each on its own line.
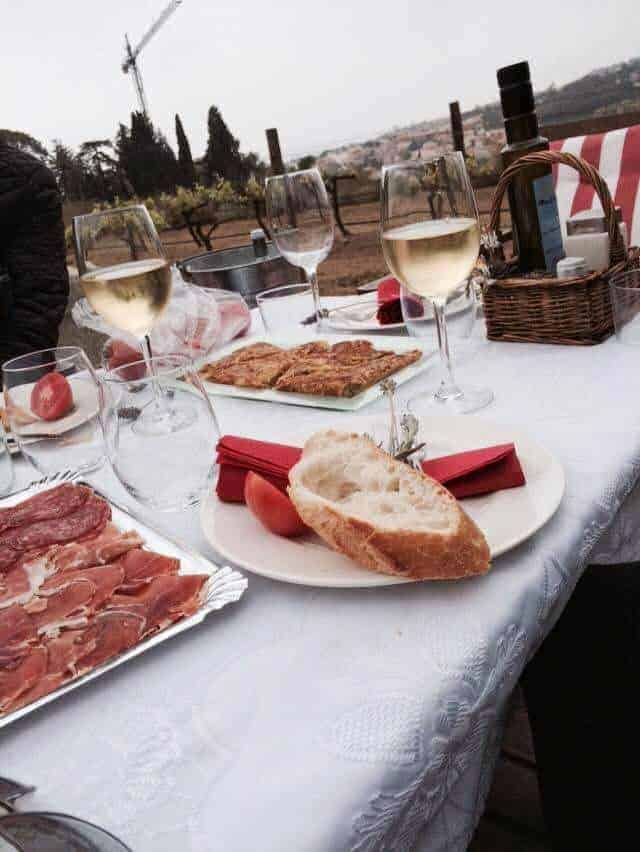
<point x="52" y="399"/>
<point x="127" y="281"/>
<point x="164" y="470"/>
<point x="430" y="239"/>
<point x="301" y="223"/>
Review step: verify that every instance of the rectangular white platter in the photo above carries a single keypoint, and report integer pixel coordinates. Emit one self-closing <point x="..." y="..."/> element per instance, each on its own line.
<point x="337" y="403"/>
<point x="225" y="585"/>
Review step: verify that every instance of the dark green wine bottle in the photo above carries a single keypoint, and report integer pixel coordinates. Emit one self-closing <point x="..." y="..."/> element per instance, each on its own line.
<point x="535" y="221"/>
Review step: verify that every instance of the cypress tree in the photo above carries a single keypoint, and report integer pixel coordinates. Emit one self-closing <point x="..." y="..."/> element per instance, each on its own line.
<point x="186" y="168"/>
<point x="222" y="157"/>
<point x="146" y="157"/>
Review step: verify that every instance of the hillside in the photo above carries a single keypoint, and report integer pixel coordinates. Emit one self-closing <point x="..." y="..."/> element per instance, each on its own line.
<point x="613" y="89"/>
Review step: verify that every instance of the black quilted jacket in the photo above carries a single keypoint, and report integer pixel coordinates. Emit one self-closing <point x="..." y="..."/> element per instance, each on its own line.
<point x="34" y="285"/>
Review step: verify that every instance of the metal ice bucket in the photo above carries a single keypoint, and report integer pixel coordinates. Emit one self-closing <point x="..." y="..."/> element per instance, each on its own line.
<point x="241" y="270"/>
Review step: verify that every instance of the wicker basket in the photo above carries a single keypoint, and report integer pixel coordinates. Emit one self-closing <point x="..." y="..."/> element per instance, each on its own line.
<point x="573" y="311"/>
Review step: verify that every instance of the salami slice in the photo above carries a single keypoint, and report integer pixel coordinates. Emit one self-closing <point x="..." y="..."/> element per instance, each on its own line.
<point x="91" y="517"/>
<point x="20" y="676"/>
<point x="56" y="503"/>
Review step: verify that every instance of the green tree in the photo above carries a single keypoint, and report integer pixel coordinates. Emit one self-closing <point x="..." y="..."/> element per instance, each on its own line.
<point x="222" y="157"/>
<point x="69" y="171"/>
<point x="186" y="169"/>
<point x="24" y="142"/>
<point x="307" y="162"/>
<point x="145" y="157"/>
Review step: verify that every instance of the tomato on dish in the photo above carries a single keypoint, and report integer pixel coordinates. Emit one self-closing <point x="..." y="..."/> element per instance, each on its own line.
<point x="120" y="354"/>
<point x="271" y="507"/>
<point x="52" y="397"/>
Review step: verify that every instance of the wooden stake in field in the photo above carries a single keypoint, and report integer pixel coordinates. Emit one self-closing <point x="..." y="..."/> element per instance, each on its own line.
<point x="456" y="127"/>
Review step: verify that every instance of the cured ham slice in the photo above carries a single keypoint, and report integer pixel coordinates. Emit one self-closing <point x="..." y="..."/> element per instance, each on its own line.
<point x="164" y="600"/>
<point x="111" y="633"/>
<point x="17" y="630"/>
<point x="56" y="503"/>
<point x="103" y="548"/>
<point x="20" y="675"/>
<point x="141" y="566"/>
<point x="91" y="517"/>
<point x="105" y="579"/>
<point x="23" y="580"/>
<point x="51" y="613"/>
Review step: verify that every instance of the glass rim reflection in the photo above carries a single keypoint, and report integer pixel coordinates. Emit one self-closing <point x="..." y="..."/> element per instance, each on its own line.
<point x="287" y="290"/>
<point x="87" y="217"/>
<point x="285" y="175"/>
<point x="67" y="354"/>
<point x="178" y="363"/>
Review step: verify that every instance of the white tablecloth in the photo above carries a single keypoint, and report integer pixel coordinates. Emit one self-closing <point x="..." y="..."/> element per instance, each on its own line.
<point x="306" y="719"/>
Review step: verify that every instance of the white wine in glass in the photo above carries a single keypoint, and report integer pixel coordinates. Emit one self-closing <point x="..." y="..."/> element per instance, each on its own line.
<point x="431" y="239"/>
<point x="130" y="296"/>
<point x="127" y="281"/>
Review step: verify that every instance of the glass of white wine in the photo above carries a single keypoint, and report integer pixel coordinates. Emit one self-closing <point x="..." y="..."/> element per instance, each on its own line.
<point x="127" y="280"/>
<point x="430" y="239"/>
<point x="301" y="223"/>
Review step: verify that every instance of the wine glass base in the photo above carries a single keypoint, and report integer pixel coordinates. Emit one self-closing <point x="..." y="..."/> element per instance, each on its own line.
<point x="164" y="418"/>
<point x="468" y="401"/>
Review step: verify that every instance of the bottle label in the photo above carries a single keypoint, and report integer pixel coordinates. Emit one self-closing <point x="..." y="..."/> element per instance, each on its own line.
<point x="549" y="221"/>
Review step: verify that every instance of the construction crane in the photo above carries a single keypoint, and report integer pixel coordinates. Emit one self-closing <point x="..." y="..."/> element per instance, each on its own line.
<point x="130" y="60"/>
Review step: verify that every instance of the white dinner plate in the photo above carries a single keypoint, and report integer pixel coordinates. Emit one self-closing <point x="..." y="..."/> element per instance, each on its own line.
<point x="338" y="403"/>
<point x="85" y="407"/>
<point x="506" y="518"/>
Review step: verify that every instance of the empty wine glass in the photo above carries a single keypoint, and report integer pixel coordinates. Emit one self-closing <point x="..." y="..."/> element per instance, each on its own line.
<point x="164" y="470"/>
<point x="301" y="223"/>
<point x="430" y="240"/>
<point x="52" y="399"/>
<point x="127" y="281"/>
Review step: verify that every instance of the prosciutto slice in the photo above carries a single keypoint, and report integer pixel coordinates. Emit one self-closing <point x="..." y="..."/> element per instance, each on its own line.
<point x="22" y="580"/>
<point x="110" y="633"/>
<point x="141" y="566"/>
<point x="20" y="675"/>
<point x="56" y="503"/>
<point x="105" y="579"/>
<point x="51" y="613"/>
<point x="17" y="630"/>
<point x="164" y="600"/>
<point x="103" y="548"/>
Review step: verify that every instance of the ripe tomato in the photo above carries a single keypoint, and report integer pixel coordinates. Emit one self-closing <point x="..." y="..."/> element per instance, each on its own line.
<point x="120" y="354"/>
<point x="271" y="507"/>
<point x="51" y="397"/>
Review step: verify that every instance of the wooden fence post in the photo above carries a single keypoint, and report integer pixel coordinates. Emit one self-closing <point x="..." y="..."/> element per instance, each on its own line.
<point x="333" y="191"/>
<point x="275" y="155"/>
<point x="456" y="127"/>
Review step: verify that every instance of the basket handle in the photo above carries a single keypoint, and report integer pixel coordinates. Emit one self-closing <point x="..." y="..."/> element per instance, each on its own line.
<point x="617" y="251"/>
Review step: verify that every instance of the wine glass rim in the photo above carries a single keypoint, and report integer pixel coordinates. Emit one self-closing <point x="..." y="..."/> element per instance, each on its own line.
<point x="294" y="174"/>
<point x="62" y="816"/>
<point x="422" y="162"/>
<point x="302" y="287"/>
<point x="111" y="211"/>
<point x="67" y="353"/>
<point x="181" y="362"/>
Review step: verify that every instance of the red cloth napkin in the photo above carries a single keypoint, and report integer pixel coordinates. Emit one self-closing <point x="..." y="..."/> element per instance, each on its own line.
<point x="237" y="456"/>
<point x="466" y="474"/>
<point x="388" y="289"/>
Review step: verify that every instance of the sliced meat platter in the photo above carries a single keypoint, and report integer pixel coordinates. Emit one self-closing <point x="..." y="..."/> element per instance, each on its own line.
<point x="76" y="591"/>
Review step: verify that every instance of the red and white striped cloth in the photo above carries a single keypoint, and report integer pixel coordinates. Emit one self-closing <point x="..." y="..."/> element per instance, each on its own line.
<point x="616" y="155"/>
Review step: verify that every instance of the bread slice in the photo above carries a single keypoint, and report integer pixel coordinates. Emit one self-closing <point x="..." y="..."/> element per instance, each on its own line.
<point x="382" y="513"/>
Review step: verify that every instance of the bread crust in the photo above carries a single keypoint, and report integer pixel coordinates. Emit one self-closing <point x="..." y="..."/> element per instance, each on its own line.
<point x="418" y="555"/>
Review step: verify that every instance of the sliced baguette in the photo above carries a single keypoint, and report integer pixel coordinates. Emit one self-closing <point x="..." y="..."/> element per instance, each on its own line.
<point x="383" y="514"/>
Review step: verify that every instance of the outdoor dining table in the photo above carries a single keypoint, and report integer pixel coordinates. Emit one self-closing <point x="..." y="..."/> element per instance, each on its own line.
<point x="315" y="719"/>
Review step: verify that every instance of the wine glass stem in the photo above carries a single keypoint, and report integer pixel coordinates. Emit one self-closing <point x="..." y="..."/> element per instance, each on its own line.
<point x="312" y="277"/>
<point x="448" y="388"/>
<point x="158" y="398"/>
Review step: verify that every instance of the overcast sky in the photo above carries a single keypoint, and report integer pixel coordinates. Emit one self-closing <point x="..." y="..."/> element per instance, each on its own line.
<point x="323" y="72"/>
